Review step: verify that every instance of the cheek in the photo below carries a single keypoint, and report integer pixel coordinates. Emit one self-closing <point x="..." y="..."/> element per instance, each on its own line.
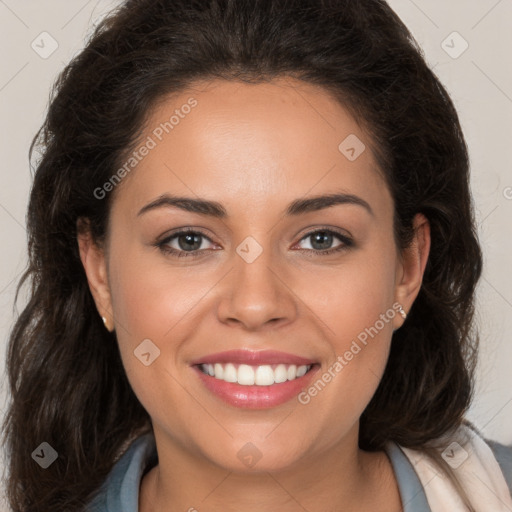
<point x="351" y="297"/>
<point x="355" y="305"/>
<point x="157" y="301"/>
<point x="150" y="299"/>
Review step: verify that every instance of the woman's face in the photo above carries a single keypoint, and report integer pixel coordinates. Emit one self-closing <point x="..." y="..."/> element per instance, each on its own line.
<point x="274" y="270"/>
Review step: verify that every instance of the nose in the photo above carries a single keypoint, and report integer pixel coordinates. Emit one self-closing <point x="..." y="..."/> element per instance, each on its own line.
<point x="255" y="294"/>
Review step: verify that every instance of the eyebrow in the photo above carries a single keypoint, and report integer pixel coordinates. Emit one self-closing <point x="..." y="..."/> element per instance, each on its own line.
<point x="215" y="209"/>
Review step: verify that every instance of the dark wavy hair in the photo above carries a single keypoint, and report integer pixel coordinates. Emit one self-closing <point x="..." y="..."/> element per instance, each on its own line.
<point x="67" y="383"/>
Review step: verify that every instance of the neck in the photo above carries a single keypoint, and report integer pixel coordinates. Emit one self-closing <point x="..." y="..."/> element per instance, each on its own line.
<point x="339" y="478"/>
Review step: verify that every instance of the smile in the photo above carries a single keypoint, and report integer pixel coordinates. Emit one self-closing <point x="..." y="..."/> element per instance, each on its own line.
<point x="254" y="379"/>
<point x="247" y="375"/>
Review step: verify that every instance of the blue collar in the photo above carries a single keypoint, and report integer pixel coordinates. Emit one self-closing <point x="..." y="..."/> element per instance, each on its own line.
<point x="120" y="491"/>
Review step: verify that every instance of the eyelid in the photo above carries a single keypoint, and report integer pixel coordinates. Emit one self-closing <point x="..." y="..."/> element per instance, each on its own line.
<point x="173" y="234"/>
<point x="182" y="231"/>
<point x="343" y="236"/>
<point x="310" y="230"/>
<point x="307" y="232"/>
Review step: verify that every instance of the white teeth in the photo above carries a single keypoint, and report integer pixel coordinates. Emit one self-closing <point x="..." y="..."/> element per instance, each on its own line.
<point x="280" y="374"/>
<point x="230" y="374"/>
<point x="264" y="376"/>
<point x="219" y="371"/>
<point x="301" y="371"/>
<point x="246" y="375"/>
<point x="292" y="372"/>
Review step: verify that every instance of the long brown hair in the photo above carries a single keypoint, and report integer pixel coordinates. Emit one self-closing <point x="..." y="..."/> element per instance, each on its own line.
<point x="67" y="383"/>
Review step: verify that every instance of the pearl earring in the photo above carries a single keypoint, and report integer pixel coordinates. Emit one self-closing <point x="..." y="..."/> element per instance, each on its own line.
<point x="105" y="323"/>
<point x="402" y="312"/>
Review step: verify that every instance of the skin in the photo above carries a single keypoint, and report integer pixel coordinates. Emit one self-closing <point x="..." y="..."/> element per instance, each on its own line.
<point x="255" y="149"/>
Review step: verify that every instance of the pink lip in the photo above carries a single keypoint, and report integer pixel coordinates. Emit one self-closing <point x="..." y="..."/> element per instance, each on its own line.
<point x="256" y="397"/>
<point x="254" y="358"/>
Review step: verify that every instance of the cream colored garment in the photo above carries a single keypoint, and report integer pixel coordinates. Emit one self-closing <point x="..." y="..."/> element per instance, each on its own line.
<point x="473" y="465"/>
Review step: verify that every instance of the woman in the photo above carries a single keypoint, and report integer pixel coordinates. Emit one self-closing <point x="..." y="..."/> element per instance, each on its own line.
<point x="253" y="259"/>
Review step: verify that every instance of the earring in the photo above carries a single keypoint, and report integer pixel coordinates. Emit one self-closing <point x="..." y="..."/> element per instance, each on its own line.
<point x="105" y="323"/>
<point x="402" y="312"/>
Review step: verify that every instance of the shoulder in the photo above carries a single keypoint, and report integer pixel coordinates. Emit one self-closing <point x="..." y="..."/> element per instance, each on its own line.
<point x="503" y="455"/>
<point x="478" y="466"/>
<point x="463" y="466"/>
<point x="501" y="452"/>
<point x="409" y="485"/>
<point x="120" y="491"/>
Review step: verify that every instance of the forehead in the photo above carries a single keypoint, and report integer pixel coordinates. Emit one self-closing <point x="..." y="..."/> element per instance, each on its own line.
<point x="254" y="144"/>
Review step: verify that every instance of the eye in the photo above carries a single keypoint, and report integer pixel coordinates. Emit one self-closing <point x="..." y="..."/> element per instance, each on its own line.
<point x="321" y="241"/>
<point x="183" y="243"/>
<point x="191" y="242"/>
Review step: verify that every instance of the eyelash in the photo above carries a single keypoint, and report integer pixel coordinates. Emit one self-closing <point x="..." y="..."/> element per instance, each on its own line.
<point x="347" y="243"/>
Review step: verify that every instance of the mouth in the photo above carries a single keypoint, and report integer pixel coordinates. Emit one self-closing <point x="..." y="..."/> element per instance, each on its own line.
<point x="255" y="380"/>
<point x="262" y="375"/>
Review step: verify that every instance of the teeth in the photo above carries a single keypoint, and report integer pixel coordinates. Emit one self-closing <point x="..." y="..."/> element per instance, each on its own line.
<point x="219" y="371"/>
<point x="280" y="374"/>
<point x="264" y="376"/>
<point x="229" y="374"/>
<point x="246" y="375"/>
<point x="301" y="371"/>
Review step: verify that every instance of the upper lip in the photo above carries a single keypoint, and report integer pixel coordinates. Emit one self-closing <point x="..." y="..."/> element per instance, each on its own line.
<point x="255" y="358"/>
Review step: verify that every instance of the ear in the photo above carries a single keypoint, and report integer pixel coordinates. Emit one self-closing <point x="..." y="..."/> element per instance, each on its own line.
<point x="95" y="266"/>
<point x="411" y="266"/>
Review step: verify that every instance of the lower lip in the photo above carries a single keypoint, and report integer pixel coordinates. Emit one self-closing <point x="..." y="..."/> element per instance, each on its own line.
<point x="256" y="397"/>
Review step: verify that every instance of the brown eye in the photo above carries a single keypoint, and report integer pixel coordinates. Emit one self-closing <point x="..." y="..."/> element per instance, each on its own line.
<point x="189" y="241"/>
<point x="184" y="243"/>
<point x="321" y="241"/>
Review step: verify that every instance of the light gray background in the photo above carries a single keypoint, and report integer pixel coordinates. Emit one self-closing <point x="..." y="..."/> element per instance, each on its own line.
<point x="479" y="80"/>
